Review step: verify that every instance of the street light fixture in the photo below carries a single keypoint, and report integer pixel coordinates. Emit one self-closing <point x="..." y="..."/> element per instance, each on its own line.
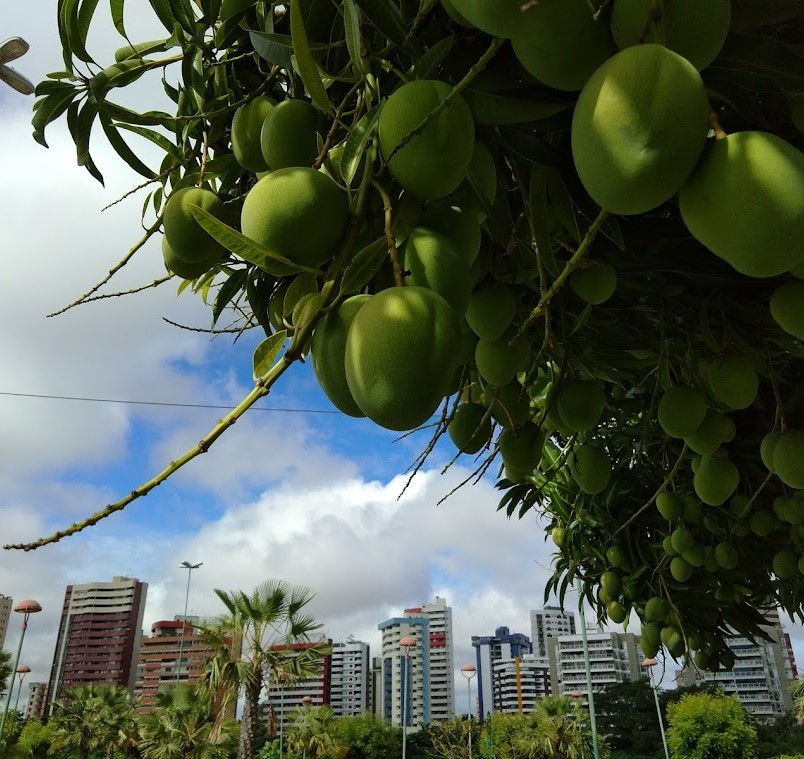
<point x="26" y="608"/>
<point x="189" y="567"/>
<point x="469" y="671"/>
<point x="10" y="50"/>
<point x="650" y="664"/>
<point x="407" y="642"/>
<point x="22" y="670"/>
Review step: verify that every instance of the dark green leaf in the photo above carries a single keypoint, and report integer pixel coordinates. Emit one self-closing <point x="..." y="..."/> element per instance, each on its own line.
<point x="246" y="248"/>
<point x="356" y="144"/>
<point x="79" y="26"/>
<point x="761" y="64"/>
<point x="155" y="137"/>
<point x="258" y="293"/>
<point x="53" y="87"/>
<point x="364" y="266"/>
<point x="66" y="11"/>
<point x="149" y="118"/>
<point x="308" y="69"/>
<point x="49" y="110"/>
<point x="499" y="110"/>
<point x="116" y="8"/>
<point x="532" y="148"/>
<point x="163" y="13"/>
<point x="86" y="119"/>
<point x="351" y="25"/>
<point x="384" y="14"/>
<point x="193" y="76"/>
<point x="121" y="147"/>
<point x="539" y="219"/>
<point x="266" y="353"/>
<point x="426" y="66"/>
<point x="230" y="288"/>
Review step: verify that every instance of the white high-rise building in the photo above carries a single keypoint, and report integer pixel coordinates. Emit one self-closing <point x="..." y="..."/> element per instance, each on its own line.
<point x="5" y="614"/>
<point x="426" y="668"/>
<point x="761" y="674"/>
<point x="549" y="622"/>
<point x="349" y="684"/>
<point x="613" y="657"/>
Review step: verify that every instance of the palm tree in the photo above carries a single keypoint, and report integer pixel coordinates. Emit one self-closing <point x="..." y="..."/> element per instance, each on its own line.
<point x="94" y="718"/>
<point x="251" y="643"/>
<point x="797" y="691"/>
<point x="562" y="730"/>
<point x="309" y="734"/>
<point x="182" y="727"/>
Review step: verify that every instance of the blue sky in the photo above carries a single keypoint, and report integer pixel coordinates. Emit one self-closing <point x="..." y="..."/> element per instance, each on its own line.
<point x="310" y="498"/>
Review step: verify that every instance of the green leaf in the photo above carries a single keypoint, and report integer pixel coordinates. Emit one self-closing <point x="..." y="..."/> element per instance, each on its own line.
<point x="193" y="75"/>
<point x="121" y="147"/>
<point x="116" y="9"/>
<point x="761" y="64"/>
<point x="79" y="26"/>
<point x="426" y="66"/>
<point x="308" y="69"/>
<point x="246" y="248"/>
<point x="83" y="130"/>
<point x="258" y="295"/>
<point x="356" y="143"/>
<point x="266" y="352"/>
<point x="66" y="10"/>
<point x="149" y="118"/>
<point x="52" y="87"/>
<point x="498" y="109"/>
<point x="385" y="15"/>
<point x="538" y="212"/>
<point x="49" y="110"/>
<point x="230" y="288"/>
<point x="155" y="137"/>
<point x="363" y="266"/>
<point x="532" y="148"/>
<point x="163" y="13"/>
<point x="351" y="25"/>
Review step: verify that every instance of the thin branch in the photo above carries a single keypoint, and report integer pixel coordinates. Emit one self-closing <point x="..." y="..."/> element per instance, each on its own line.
<point x="204" y="158"/>
<point x="714" y="123"/>
<point x="120" y="264"/>
<point x="142" y="185"/>
<point x="206" y="330"/>
<point x="399" y="275"/>
<point x="120" y="294"/>
<point x="336" y="122"/>
<point x="569" y="267"/>
<point x="456" y="90"/>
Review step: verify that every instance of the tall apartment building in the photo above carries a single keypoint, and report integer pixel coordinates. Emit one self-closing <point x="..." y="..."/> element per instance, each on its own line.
<point x="422" y="675"/>
<point x="761" y="674"/>
<point x="35" y="706"/>
<point x="519" y="684"/>
<point x="5" y="614"/>
<point x="99" y="636"/>
<point x="549" y="622"/>
<point x="349" y="682"/>
<point x="283" y="698"/>
<point x="614" y="658"/>
<point x="158" y="666"/>
<point x="498" y="659"/>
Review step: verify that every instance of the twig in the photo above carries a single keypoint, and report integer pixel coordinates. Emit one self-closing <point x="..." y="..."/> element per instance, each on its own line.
<point x="569" y="267"/>
<point x="147" y="236"/>
<point x="141" y="186"/>
<point x="206" y="330"/>
<point x="440" y="429"/>
<point x="654" y="14"/>
<point x="456" y="90"/>
<point x="120" y="294"/>
<point x="336" y="122"/>
<point x="714" y="122"/>
<point x="661" y="489"/>
<point x="204" y="158"/>
<point x="399" y="275"/>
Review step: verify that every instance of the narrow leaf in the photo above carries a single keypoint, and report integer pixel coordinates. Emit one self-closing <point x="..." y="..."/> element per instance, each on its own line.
<point x="230" y="288"/>
<point x="498" y="110"/>
<point x="83" y="130"/>
<point x="122" y="149"/>
<point x="538" y="212"/>
<point x="364" y="266"/>
<point x="246" y="248"/>
<point x="163" y="13"/>
<point x="308" y="69"/>
<point x="426" y="66"/>
<point x="50" y="109"/>
<point x="351" y="25"/>
<point x="385" y="15"/>
<point x="155" y="137"/>
<point x="79" y="27"/>
<point x="116" y="8"/>
<point x="266" y="352"/>
<point x="356" y="143"/>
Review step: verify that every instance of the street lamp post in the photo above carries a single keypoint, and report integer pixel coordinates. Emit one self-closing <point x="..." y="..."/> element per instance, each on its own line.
<point x="650" y="664"/>
<point x="26" y="608"/>
<point x="189" y="567"/>
<point x="22" y="670"/>
<point x="10" y="50"/>
<point x="588" y="667"/>
<point x="406" y="642"/>
<point x="306" y="701"/>
<point x="469" y="671"/>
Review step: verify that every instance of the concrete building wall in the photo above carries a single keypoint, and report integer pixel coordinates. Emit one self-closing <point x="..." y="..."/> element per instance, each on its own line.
<point x="99" y="636"/>
<point x="350" y="678"/>
<point x="5" y="617"/>
<point x="761" y="674"/>
<point x="503" y="646"/>
<point x="517" y="693"/>
<point x="614" y="658"/>
<point x="35" y="705"/>
<point x="549" y="622"/>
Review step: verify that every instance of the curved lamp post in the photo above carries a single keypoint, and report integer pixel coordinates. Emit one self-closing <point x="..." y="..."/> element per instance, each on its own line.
<point x="26" y="608"/>
<point x="469" y="671"/>
<point x="407" y="642"/>
<point x="189" y="567"/>
<point x="650" y="664"/>
<point x="10" y="50"/>
<point x="22" y="670"/>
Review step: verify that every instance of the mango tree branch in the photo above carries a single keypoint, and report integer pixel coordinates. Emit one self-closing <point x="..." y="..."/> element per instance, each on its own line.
<point x="389" y="234"/>
<point x="119" y="265"/>
<point x="569" y="267"/>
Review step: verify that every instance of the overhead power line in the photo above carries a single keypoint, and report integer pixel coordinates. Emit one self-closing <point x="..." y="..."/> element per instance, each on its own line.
<point x="165" y="403"/>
